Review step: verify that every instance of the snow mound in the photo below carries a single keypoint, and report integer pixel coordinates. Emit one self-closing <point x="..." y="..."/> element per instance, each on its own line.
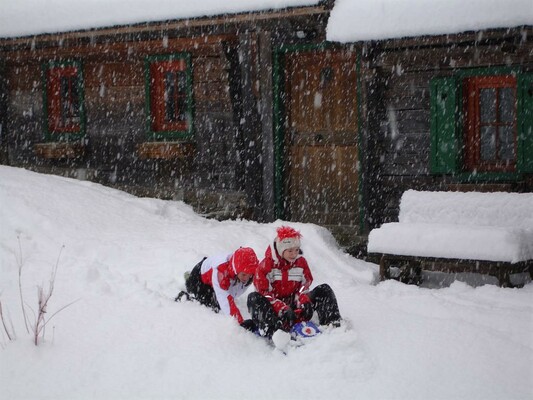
<point x="513" y="210"/>
<point x="476" y="226"/>
<point x="125" y="337"/>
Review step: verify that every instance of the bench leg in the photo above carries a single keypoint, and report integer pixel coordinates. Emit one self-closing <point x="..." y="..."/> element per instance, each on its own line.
<point x="504" y="279"/>
<point x="384" y="272"/>
<point x="410" y="273"/>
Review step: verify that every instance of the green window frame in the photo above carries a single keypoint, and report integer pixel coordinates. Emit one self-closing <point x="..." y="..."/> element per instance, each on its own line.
<point x="169" y="97"/>
<point x="449" y="133"/>
<point x="63" y="101"/>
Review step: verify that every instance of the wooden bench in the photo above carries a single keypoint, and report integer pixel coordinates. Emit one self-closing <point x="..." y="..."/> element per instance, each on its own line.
<point x="488" y="233"/>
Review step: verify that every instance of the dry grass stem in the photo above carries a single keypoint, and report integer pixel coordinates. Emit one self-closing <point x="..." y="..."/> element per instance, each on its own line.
<point x="20" y="263"/>
<point x="10" y="336"/>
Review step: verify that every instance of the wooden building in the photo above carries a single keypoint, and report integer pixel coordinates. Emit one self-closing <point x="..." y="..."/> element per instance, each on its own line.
<point x="450" y="113"/>
<point x="257" y="115"/>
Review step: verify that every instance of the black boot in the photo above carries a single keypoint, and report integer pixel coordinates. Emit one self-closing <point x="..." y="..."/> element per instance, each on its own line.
<point x="263" y="314"/>
<point x="181" y="295"/>
<point x="325" y="304"/>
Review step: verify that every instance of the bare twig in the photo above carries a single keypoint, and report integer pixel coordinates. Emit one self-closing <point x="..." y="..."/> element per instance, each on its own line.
<point x="12" y="327"/>
<point x="20" y="264"/>
<point x="43" y="298"/>
<point x="57" y="312"/>
<point x="42" y="302"/>
<point x="9" y="336"/>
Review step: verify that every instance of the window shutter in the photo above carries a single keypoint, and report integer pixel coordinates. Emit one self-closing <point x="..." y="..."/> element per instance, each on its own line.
<point x="444" y="119"/>
<point x="525" y="127"/>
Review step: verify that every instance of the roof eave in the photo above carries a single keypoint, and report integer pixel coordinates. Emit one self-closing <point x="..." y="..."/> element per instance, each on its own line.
<point x="146" y="27"/>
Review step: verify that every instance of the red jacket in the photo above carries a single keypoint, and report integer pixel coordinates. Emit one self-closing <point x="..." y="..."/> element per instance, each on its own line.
<point x="218" y="272"/>
<point x="284" y="284"/>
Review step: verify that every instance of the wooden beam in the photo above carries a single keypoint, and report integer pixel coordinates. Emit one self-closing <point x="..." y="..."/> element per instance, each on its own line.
<point x="165" y="150"/>
<point x="126" y="49"/>
<point x="499" y="269"/>
<point x="59" y="150"/>
<point x="464" y="38"/>
<point x="267" y="124"/>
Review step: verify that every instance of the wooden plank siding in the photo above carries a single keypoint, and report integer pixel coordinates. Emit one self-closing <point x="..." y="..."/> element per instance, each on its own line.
<point x="227" y="168"/>
<point x="224" y="176"/>
<point x="400" y="120"/>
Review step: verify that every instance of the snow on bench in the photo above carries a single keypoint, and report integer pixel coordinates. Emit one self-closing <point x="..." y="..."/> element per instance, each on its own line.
<point x="486" y="228"/>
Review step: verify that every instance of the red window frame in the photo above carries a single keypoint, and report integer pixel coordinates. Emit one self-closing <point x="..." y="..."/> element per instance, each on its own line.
<point x="473" y="124"/>
<point x="169" y="102"/>
<point x="64" y="107"/>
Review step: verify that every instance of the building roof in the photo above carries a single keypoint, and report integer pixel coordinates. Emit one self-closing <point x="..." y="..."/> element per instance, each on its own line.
<point x="34" y="17"/>
<point x="361" y="20"/>
<point x="350" y="21"/>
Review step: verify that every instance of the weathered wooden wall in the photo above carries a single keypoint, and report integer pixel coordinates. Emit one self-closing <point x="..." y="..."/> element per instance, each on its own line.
<point x="114" y="91"/>
<point x="231" y="172"/>
<point x="225" y="176"/>
<point x="3" y="114"/>
<point x="397" y="77"/>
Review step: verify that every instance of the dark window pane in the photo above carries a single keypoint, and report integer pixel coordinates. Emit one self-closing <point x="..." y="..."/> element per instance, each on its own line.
<point x="488" y="143"/>
<point x="182" y="90"/>
<point x="181" y="108"/>
<point x="64" y="99"/>
<point x="487" y="105"/>
<point x="69" y="99"/>
<point x="182" y="82"/>
<point x="170" y="96"/>
<point x="175" y="96"/>
<point x="64" y="84"/>
<point x="507" y="105"/>
<point x="507" y="148"/>
<point x="74" y="100"/>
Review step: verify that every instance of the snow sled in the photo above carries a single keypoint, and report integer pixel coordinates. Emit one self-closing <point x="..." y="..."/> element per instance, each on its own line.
<point x="305" y="329"/>
<point x="297" y="336"/>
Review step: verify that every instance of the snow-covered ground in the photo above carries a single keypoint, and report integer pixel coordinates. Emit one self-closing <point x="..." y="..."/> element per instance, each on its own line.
<point x="124" y="338"/>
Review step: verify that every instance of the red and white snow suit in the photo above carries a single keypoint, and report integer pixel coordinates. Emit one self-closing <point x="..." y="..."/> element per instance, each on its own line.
<point x="218" y="272"/>
<point x="284" y="284"/>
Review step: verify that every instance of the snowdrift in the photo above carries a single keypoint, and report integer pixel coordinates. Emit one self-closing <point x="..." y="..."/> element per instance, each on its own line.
<point x="123" y="260"/>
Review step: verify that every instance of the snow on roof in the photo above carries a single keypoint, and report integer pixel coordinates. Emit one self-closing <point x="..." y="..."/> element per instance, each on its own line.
<point x="34" y="17"/>
<point x="350" y="21"/>
<point x="357" y="20"/>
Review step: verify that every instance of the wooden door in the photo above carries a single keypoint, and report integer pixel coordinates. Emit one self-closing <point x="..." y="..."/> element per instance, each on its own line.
<point x="321" y="138"/>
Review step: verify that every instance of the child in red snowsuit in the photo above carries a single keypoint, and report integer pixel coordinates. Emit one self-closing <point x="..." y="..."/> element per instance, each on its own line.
<point x="282" y="282"/>
<point x="216" y="281"/>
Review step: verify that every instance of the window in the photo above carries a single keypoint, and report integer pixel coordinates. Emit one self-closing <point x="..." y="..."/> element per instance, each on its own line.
<point x="63" y="100"/>
<point x="169" y="91"/>
<point x="482" y="123"/>
<point x="490" y="123"/>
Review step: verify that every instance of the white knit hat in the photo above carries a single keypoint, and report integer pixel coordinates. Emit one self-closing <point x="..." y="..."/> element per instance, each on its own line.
<point x="287" y="238"/>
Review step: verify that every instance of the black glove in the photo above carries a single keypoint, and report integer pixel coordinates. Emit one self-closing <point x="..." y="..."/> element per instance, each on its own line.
<point x="287" y="318"/>
<point x="249" y="325"/>
<point x="307" y="311"/>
